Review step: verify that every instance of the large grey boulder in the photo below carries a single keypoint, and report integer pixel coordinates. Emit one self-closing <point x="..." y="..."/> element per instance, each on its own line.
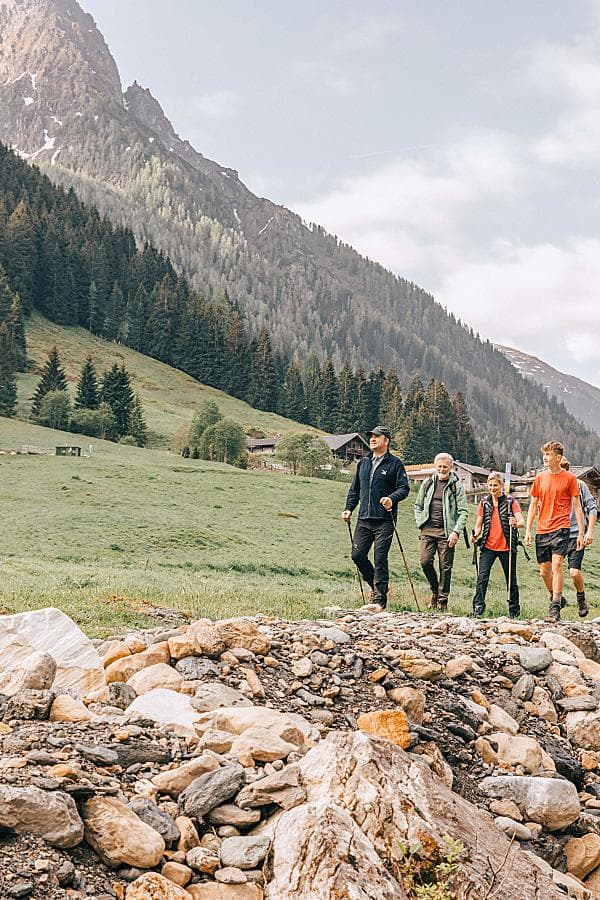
<point x="210" y="790"/>
<point x="52" y="815"/>
<point x="552" y="802"/>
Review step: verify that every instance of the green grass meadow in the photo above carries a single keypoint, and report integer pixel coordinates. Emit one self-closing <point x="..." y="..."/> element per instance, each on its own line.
<point x="108" y="538"/>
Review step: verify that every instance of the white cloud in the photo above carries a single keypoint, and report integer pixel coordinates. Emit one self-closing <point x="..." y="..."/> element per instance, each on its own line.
<point x="221" y="104"/>
<point x="570" y="74"/>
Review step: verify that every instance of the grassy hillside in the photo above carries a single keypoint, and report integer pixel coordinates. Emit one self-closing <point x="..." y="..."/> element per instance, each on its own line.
<point x="168" y="395"/>
<point x="111" y="537"/>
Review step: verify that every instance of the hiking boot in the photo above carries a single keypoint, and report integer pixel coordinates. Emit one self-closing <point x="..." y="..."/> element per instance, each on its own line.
<point x="381" y="602"/>
<point x="433" y="602"/>
<point x="478" y="612"/>
<point x="553" y="612"/>
<point x="582" y="607"/>
<point x="514" y="613"/>
<point x="442" y="604"/>
<point x="563" y="602"/>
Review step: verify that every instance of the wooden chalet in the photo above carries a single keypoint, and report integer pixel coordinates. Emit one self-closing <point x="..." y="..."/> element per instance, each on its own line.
<point x="263" y="446"/>
<point x="347" y="447"/>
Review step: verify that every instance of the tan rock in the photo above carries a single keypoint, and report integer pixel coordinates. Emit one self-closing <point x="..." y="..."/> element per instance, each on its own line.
<point x="459" y="666"/>
<point x="217" y="741"/>
<point x="589" y="668"/>
<point x="123" y="669"/>
<point x="159" y="675"/>
<point x="188" y="836"/>
<point x="237" y="719"/>
<point x="226" y="892"/>
<point x="589" y="760"/>
<point x="567" y="676"/>
<point x="500" y="720"/>
<point x="432" y="753"/>
<point x="583" y="729"/>
<point x="67" y="709"/>
<point x="244" y="633"/>
<point x="592" y="883"/>
<point x="389" y="724"/>
<point x="583" y="854"/>
<point x="519" y="750"/>
<point x="486" y="751"/>
<point x="183" y="645"/>
<point x="478" y="698"/>
<point x="174" y="781"/>
<point x="254" y="682"/>
<point x="417" y="665"/>
<point x="521" y="628"/>
<point x="302" y="668"/>
<point x="152" y="886"/>
<point x="118" y="836"/>
<point x="135" y="642"/>
<point x="378" y="675"/>
<point x="554" y="641"/>
<point x="262" y="744"/>
<point x="177" y="873"/>
<point x="506" y="808"/>
<point x="543" y="705"/>
<point x="114" y="650"/>
<point x="207" y="637"/>
<point x="64" y="770"/>
<point x="411" y="700"/>
<point x="203" y="859"/>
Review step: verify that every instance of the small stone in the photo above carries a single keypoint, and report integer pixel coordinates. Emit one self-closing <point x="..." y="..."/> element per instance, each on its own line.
<point x="458" y="666"/>
<point x="160" y="821"/>
<point x="210" y="790"/>
<point x="52" y="815"/>
<point x="174" y="781"/>
<point x="177" y="873"/>
<point x="253" y="681"/>
<point x="302" y="668"/>
<point x="263" y="745"/>
<point x="523" y="688"/>
<point x="230" y="875"/>
<point x="589" y="760"/>
<point x="500" y="720"/>
<point x="519" y="750"/>
<point x="114" y="650"/>
<point x="513" y="829"/>
<point x="215" y="695"/>
<point x="378" y="675"/>
<point x="154" y="677"/>
<point x="230" y="814"/>
<point x="244" y="852"/>
<point x="188" y="836"/>
<point x="203" y="860"/>
<point x="152" y="886"/>
<point x="68" y="709"/>
<point x="123" y="669"/>
<point x="192" y="668"/>
<point x="553" y="802"/>
<point x="535" y="659"/>
<point x="225" y="891"/>
<point x="506" y="808"/>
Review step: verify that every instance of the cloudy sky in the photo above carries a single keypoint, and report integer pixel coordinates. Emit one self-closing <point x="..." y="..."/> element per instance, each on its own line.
<point x="458" y="143"/>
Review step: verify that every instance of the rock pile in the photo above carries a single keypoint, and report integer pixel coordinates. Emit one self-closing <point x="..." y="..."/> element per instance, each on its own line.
<point x="258" y="758"/>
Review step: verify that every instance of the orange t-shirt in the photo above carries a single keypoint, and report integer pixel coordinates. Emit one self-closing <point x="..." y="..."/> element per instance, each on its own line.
<point x="495" y="539"/>
<point x="555" y="495"/>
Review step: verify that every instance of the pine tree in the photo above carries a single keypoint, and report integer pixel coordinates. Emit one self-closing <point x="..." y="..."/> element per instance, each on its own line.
<point x="137" y="422"/>
<point x="20" y="253"/>
<point x="313" y="388"/>
<point x="53" y="379"/>
<point x="328" y="417"/>
<point x="390" y="405"/>
<point x="8" y="384"/>
<point x="466" y="445"/>
<point x="440" y="413"/>
<point x="293" y="400"/>
<point x="347" y="414"/>
<point x="88" y="393"/>
<point x="373" y="398"/>
<point x="117" y="392"/>
<point x="11" y="321"/>
<point x="264" y="386"/>
<point x="416" y="438"/>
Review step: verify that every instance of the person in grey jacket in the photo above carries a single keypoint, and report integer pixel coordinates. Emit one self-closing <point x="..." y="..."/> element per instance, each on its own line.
<point x="575" y="556"/>
<point x="441" y="515"/>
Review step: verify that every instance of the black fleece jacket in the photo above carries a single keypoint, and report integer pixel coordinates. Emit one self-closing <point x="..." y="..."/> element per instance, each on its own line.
<point x="389" y="480"/>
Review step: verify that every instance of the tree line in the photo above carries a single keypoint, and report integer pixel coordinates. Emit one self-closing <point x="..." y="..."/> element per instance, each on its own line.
<point x="61" y="258"/>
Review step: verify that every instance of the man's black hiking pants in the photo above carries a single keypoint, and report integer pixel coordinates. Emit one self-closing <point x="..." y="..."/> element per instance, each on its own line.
<point x="379" y="533"/>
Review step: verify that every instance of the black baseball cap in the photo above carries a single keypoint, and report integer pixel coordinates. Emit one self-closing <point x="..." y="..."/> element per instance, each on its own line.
<point x="380" y="430"/>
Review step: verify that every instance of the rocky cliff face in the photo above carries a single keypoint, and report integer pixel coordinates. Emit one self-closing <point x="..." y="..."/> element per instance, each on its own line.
<point x="385" y="756"/>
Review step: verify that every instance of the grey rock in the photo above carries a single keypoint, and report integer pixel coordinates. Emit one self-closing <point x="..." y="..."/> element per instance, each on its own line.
<point x="230" y="875"/>
<point x="100" y="756"/>
<point x="65" y="873"/>
<point x="318" y="658"/>
<point x="332" y="633"/>
<point x="513" y="829"/>
<point x="575" y="704"/>
<point x="23" y="887"/>
<point x="524" y="687"/>
<point x="282" y="789"/>
<point x="29" y="704"/>
<point x="120" y="694"/>
<point x="552" y="802"/>
<point x="132" y="752"/>
<point x="210" y="790"/>
<point x="193" y="668"/>
<point x="244" y="852"/>
<point x="311" y="699"/>
<point x="535" y="659"/>
<point x="214" y="695"/>
<point x="36" y="673"/>
<point x="150" y="813"/>
<point x="51" y="816"/>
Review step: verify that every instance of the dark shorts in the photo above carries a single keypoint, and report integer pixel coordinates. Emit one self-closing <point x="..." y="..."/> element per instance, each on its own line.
<point x="574" y="556"/>
<point x="554" y="542"/>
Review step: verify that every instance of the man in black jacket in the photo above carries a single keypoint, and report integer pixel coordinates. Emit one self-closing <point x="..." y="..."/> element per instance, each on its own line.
<point x="379" y="484"/>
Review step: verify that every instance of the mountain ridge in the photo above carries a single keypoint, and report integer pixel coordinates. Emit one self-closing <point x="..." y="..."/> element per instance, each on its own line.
<point x="581" y="398"/>
<point x="313" y="292"/>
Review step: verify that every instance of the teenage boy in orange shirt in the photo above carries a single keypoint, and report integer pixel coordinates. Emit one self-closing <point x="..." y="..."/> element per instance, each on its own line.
<point x="554" y="493"/>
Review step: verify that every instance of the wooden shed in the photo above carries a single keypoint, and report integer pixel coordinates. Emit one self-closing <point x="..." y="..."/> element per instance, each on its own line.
<point x="347" y="447"/>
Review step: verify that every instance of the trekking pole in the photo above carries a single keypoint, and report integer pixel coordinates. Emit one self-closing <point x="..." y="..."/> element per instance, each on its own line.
<point x="362" y="590"/>
<point x="475" y="560"/>
<point x="510" y="540"/>
<point x="410" y="581"/>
